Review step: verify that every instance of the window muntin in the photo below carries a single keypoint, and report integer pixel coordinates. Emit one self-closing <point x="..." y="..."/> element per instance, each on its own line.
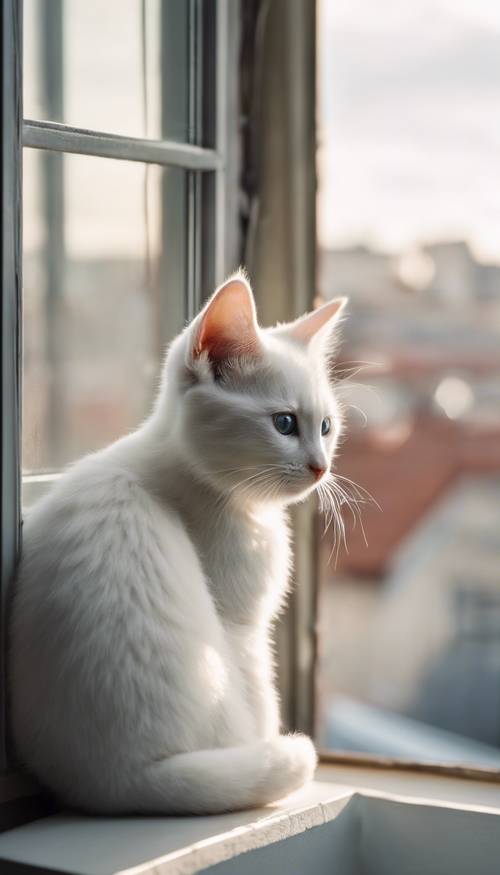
<point x="85" y="213"/>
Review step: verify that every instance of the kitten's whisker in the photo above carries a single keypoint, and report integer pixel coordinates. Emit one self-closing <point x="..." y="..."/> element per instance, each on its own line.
<point x="362" y="412"/>
<point x="364" y="363"/>
<point x="365" y="495"/>
<point x="353" y="505"/>
<point x="340" y="497"/>
<point x="238" y="469"/>
<point x="348" y="385"/>
<point x="226" y="497"/>
<point x="273" y="488"/>
<point x="255" y="480"/>
<point x="331" y="506"/>
<point x="345" y="499"/>
<point x="332" y="509"/>
<point x="243" y="487"/>
<point x="344" y="374"/>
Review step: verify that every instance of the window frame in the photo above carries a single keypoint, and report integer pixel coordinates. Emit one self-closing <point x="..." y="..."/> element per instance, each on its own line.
<point x="11" y="258"/>
<point x="210" y="23"/>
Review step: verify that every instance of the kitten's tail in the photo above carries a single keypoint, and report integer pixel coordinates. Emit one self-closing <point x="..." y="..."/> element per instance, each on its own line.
<point x="225" y="779"/>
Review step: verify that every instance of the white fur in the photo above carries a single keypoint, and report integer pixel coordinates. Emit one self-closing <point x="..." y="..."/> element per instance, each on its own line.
<point x="140" y="663"/>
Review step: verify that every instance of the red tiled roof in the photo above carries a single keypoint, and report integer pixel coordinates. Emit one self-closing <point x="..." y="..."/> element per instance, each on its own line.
<point x="406" y="471"/>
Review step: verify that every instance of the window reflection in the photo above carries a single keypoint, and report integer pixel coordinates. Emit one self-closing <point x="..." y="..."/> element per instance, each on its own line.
<point x="101" y="65"/>
<point x="96" y="312"/>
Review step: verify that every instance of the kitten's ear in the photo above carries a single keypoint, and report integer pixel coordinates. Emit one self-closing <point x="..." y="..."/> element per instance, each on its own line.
<point x="317" y="325"/>
<point x="227" y="327"/>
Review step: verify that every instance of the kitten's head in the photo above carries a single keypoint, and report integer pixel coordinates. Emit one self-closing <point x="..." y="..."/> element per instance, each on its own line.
<point x="259" y="416"/>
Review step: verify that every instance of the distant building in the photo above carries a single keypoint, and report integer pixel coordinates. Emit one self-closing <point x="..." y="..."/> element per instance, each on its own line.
<point x="410" y="611"/>
<point x="455" y="282"/>
<point x="446" y="272"/>
<point x="459" y="280"/>
<point x="361" y="273"/>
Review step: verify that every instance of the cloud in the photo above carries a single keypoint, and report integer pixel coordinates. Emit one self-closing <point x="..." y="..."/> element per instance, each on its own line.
<point x="409" y="122"/>
<point x="369" y="71"/>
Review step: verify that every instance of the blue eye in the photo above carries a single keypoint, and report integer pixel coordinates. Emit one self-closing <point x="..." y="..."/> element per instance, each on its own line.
<point x="325" y="426"/>
<point x="286" y="423"/>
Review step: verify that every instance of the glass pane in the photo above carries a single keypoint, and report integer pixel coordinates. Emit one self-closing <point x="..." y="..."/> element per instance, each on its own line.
<point x="409" y="222"/>
<point x="100" y="64"/>
<point x="104" y="281"/>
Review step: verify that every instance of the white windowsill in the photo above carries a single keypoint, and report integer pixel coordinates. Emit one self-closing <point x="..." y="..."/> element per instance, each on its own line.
<point x="178" y="846"/>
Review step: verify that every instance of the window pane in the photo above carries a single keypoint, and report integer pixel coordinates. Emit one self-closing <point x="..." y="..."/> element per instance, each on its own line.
<point x="101" y="65"/>
<point x="410" y="229"/>
<point x="104" y="289"/>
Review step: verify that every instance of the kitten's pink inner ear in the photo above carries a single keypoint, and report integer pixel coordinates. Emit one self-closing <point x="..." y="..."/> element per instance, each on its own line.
<point x="228" y="326"/>
<point x="305" y="328"/>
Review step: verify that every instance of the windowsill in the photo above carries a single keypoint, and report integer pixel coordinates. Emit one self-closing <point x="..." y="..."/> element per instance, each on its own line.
<point x="170" y="846"/>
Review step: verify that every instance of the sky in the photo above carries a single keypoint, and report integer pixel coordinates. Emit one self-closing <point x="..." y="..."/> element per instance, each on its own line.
<point x="409" y="123"/>
<point x="103" y="90"/>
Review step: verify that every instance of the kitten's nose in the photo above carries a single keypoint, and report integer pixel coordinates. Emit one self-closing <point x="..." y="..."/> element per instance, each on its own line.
<point x="317" y="471"/>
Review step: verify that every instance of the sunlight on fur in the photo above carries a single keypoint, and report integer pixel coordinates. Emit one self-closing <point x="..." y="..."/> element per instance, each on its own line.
<point x="141" y="661"/>
<point x="214" y="672"/>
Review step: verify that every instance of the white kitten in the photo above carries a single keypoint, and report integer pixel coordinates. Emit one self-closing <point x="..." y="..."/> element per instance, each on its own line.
<point x="141" y="666"/>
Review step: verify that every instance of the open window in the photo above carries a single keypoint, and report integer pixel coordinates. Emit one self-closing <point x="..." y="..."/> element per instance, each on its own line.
<point x="409" y="607"/>
<point x="144" y="165"/>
